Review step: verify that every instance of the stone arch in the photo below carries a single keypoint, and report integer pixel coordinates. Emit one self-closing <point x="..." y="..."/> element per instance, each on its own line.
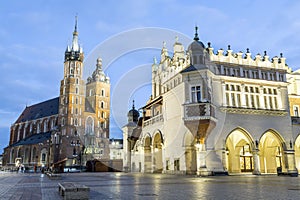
<point x="297" y="151"/>
<point x="271" y="146"/>
<point x="147" y="141"/>
<point x="239" y="149"/>
<point x="190" y="153"/>
<point x="157" y="143"/>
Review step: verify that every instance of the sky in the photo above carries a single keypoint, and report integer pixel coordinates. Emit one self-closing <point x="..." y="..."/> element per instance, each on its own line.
<point x="127" y="35"/>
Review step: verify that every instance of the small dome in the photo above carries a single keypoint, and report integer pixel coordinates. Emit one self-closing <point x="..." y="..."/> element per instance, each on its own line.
<point x="133" y="115"/>
<point x="196" y="45"/>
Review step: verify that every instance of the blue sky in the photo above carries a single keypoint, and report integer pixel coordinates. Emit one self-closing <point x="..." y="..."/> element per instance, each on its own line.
<point x="34" y="36"/>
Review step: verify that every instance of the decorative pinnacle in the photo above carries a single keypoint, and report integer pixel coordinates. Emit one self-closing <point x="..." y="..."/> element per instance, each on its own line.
<point x="265" y="53"/>
<point x="196" y="33"/>
<point x="229" y="47"/>
<point x="248" y="50"/>
<point x="208" y="44"/>
<point x="133" y="105"/>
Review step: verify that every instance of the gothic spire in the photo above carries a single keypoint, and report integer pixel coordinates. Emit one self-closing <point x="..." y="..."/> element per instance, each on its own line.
<point x="75" y="45"/>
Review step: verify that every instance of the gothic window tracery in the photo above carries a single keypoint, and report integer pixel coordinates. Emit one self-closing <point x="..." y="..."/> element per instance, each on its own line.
<point x="89" y="129"/>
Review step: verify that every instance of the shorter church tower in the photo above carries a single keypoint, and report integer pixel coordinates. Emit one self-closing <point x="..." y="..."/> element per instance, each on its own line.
<point x="97" y="107"/>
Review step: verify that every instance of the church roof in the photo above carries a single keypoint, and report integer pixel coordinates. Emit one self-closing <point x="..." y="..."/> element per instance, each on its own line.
<point x="33" y="139"/>
<point x="40" y="110"/>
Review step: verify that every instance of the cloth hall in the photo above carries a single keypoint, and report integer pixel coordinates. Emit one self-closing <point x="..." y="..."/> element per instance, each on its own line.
<point x="216" y="112"/>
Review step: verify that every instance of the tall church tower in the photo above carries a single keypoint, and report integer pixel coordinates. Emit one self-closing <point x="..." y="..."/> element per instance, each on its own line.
<point x="72" y="100"/>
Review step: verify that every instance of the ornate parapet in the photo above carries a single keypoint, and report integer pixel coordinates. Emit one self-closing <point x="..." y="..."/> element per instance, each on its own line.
<point x="241" y="58"/>
<point x="153" y="120"/>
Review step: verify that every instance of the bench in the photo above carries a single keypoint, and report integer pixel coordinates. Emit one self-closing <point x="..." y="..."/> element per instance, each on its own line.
<point x="71" y="190"/>
<point x="53" y="176"/>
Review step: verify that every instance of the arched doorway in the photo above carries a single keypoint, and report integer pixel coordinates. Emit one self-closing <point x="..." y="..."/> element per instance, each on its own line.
<point x="239" y="146"/>
<point x="271" y="152"/>
<point x="190" y="154"/>
<point x="297" y="152"/>
<point x="147" y="154"/>
<point x="157" y="153"/>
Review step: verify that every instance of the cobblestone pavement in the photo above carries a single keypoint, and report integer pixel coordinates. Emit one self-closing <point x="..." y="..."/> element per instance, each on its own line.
<point x="15" y="186"/>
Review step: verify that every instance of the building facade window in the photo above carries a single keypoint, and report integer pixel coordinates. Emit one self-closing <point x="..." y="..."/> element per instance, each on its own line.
<point x="43" y="157"/>
<point x="296" y="111"/>
<point x="196" y="94"/>
<point x="89" y="126"/>
<point x="251" y="96"/>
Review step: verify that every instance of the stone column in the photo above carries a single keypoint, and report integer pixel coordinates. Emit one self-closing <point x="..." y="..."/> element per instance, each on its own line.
<point x="201" y="160"/>
<point x="256" y="162"/>
<point x="290" y="160"/>
<point x="243" y="97"/>
<point x="279" y="101"/>
<point x="224" y="94"/>
<point x="261" y="98"/>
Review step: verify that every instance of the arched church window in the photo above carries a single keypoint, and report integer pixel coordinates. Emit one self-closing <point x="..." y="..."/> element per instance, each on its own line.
<point x="89" y="129"/>
<point x="43" y="157"/>
<point x="34" y="154"/>
<point x="102" y="104"/>
<point x="103" y="92"/>
<point x="38" y="127"/>
<point x="44" y="127"/>
<point x="76" y="90"/>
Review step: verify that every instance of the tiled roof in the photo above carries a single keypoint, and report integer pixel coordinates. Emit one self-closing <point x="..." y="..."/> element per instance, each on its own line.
<point x="43" y="109"/>
<point x="189" y="69"/>
<point x="33" y="139"/>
